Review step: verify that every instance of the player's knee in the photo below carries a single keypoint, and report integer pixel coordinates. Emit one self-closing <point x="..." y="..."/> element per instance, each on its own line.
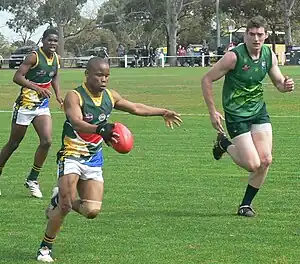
<point x="253" y="166"/>
<point x="266" y="161"/>
<point x="46" y="143"/>
<point x="65" y="205"/>
<point x="92" y="214"/>
<point x="90" y="209"/>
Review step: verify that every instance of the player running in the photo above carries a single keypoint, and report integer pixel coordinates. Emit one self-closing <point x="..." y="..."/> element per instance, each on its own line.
<point x="36" y="75"/>
<point x="247" y="120"/>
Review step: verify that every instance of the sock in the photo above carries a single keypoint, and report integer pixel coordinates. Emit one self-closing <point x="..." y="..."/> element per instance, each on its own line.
<point x="249" y="195"/>
<point x="34" y="173"/>
<point x="47" y="242"/>
<point x="225" y="143"/>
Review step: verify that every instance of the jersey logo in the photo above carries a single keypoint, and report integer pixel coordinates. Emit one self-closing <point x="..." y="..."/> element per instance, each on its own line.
<point x="51" y="74"/>
<point x="41" y="73"/>
<point x="102" y="117"/>
<point x="246" y="67"/>
<point x="88" y="117"/>
<point x="263" y="65"/>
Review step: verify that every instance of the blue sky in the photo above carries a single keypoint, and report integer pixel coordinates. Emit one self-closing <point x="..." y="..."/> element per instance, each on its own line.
<point x="88" y="10"/>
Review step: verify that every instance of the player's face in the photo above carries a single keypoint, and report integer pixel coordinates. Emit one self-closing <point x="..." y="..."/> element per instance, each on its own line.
<point x="255" y="37"/>
<point x="50" y="43"/>
<point x="97" y="77"/>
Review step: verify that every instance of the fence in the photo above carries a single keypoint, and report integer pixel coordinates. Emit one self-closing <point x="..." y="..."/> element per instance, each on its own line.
<point x="136" y="62"/>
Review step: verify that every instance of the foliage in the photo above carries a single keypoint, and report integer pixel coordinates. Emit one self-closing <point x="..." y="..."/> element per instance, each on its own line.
<point x="5" y="47"/>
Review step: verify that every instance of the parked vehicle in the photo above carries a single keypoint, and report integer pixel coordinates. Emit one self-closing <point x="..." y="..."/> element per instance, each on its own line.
<point x="101" y="52"/>
<point x="19" y="55"/>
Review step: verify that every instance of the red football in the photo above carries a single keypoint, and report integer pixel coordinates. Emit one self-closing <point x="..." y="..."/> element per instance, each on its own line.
<point x="125" y="142"/>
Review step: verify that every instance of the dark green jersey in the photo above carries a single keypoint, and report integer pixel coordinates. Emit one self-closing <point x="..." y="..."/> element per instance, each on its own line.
<point x="41" y="74"/>
<point x="87" y="148"/>
<point x="242" y="88"/>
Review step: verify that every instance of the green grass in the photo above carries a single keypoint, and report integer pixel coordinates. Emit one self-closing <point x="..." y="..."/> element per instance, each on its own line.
<point x="167" y="201"/>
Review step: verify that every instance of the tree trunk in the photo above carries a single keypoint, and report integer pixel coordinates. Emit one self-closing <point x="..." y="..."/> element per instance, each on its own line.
<point x="172" y="26"/>
<point x="288" y="5"/>
<point x="273" y="39"/>
<point x="61" y="43"/>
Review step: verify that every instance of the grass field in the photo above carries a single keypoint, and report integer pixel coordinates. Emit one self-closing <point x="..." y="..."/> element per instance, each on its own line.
<point x="167" y="201"/>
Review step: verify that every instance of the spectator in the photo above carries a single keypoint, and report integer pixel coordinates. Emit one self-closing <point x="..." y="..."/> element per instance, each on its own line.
<point x="121" y="53"/>
<point x="152" y="56"/>
<point x="181" y="53"/>
<point x="190" y="56"/>
<point x="220" y="52"/>
<point x="145" y="56"/>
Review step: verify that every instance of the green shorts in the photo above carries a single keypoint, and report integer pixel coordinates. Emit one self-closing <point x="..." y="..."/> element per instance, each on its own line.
<point x="237" y="125"/>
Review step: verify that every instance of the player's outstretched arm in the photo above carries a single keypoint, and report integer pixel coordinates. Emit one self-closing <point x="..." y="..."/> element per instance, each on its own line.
<point x="282" y="83"/>
<point x="169" y="116"/>
<point x="224" y="65"/>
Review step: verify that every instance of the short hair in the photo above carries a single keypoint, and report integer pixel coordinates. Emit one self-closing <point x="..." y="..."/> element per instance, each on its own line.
<point x="93" y="61"/>
<point x="257" y="22"/>
<point x="49" y="31"/>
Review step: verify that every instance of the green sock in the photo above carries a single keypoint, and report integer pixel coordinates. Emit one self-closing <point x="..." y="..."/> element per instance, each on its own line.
<point x="34" y="173"/>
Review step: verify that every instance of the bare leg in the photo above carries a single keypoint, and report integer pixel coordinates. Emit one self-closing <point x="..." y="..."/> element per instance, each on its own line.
<point x="67" y="193"/>
<point x="263" y="143"/>
<point x="262" y="139"/>
<point x="243" y="152"/>
<point x="43" y="127"/>
<point x="16" y="136"/>
<point x="91" y="195"/>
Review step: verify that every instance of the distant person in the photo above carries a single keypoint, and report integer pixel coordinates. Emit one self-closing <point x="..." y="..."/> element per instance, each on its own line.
<point x="36" y="75"/>
<point x="145" y="56"/>
<point x="121" y="53"/>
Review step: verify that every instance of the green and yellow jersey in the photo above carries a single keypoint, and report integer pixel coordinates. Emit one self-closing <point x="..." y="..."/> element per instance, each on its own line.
<point x="242" y="88"/>
<point x="41" y="74"/>
<point x="87" y="148"/>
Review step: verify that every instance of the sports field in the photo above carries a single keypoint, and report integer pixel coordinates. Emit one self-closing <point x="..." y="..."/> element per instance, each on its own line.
<point x="168" y="201"/>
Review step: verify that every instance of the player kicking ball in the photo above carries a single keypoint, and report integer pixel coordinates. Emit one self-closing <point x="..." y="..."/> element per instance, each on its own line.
<point x="80" y="158"/>
<point x="247" y="120"/>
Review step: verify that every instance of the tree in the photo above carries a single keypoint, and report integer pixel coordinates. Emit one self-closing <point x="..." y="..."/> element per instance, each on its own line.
<point x="25" y="18"/>
<point x="166" y="14"/>
<point x="62" y="14"/>
<point x="242" y="10"/>
<point x="5" y="47"/>
<point x="20" y="43"/>
<point x="93" y="37"/>
<point x="288" y="6"/>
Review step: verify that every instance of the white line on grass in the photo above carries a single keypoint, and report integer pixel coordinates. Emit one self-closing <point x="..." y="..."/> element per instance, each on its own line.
<point x="201" y="115"/>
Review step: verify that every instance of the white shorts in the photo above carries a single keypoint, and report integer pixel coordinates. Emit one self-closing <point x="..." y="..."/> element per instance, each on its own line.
<point x="85" y="172"/>
<point x="24" y="117"/>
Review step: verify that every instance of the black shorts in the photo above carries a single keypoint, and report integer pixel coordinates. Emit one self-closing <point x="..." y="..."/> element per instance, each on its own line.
<point x="237" y="125"/>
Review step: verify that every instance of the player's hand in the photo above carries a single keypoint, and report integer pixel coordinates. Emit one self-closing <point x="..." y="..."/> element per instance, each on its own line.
<point x="171" y="118"/>
<point x="288" y="84"/>
<point x="60" y="100"/>
<point x="216" y="120"/>
<point x="45" y="93"/>
<point x="114" y="138"/>
<point x="106" y="132"/>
